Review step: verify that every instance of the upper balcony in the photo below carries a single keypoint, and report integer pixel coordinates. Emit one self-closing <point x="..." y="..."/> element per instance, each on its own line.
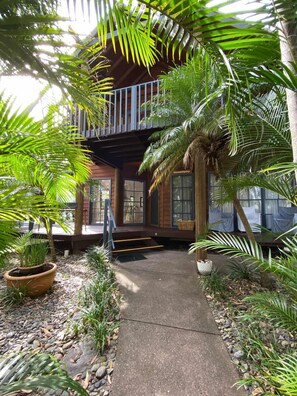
<point x="126" y="111"/>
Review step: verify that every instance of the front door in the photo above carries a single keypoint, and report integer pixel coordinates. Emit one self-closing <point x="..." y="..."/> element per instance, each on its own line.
<point x="99" y="192"/>
<point x="133" y="202"/>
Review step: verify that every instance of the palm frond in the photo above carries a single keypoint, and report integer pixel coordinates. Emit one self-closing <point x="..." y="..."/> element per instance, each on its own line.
<point x="277" y="308"/>
<point x="176" y="26"/>
<point x="284" y="375"/>
<point x="28" y="371"/>
<point x="251" y="252"/>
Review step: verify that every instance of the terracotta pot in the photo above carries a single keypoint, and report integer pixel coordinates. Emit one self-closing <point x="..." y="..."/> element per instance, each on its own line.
<point x="36" y="269"/>
<point x="35" y="284"/>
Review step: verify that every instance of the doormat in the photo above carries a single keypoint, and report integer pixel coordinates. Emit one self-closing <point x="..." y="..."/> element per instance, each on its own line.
<point x="131" y="257"/>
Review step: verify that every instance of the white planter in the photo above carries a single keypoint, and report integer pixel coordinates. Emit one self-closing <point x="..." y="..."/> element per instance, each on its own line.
<point x="204" y="266"/>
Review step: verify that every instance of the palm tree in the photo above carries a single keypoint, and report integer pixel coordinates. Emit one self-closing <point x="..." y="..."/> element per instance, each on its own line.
<point x="197" y="134"/>
<point x="41" y="164"/>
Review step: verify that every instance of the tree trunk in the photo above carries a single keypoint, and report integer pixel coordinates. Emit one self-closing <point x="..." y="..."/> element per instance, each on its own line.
<point x="201" y="203"/>
<point x="243" y="218"/>
<point x="265" y="278"/>
<point x="79" y="211"/>
<point x="48" y="227"/>
<point x="288" y="46"/>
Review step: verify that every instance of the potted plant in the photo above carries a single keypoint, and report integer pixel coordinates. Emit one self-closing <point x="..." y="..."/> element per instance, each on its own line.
<point x="204" y="266"/>
<point x="34" y="274"/>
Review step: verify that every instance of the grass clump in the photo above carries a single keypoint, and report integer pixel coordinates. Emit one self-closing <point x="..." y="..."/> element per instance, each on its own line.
<point x="243" y="271"/>
<point x="12" y="296"/>
<point x="99" y="300"/>
<point x="215" y="283"/>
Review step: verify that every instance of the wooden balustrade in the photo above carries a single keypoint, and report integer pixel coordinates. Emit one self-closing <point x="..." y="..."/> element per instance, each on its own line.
<point x="127" y="110"/>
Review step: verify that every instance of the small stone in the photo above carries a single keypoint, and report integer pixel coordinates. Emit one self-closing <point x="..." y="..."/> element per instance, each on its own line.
<point x="101" y="372"/>
<point x="36" y="344"/>
<point x="59" y="356"/>
<point x="285" y="343"/>
<point x="31" y="339"/>
<point x="102" y="359"/>
<point x="95" y="367"/>
<point x="98" y="384"/>
<point x="109" y="371"/>
<point x="68" y="345"/>
<point x="238" y="354"/>
<point x="18" y="348"/>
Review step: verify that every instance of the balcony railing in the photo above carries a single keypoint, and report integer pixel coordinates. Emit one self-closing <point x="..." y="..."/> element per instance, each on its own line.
<point x="126" y="111"/>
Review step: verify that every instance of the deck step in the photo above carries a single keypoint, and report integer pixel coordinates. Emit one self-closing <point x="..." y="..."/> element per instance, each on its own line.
<point x="132" y="249"/>
<point x="132" y="239"/>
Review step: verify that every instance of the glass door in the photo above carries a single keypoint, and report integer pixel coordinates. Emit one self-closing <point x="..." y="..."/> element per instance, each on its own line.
<point x="133" y="202"/>
<point x="99" y="192"/>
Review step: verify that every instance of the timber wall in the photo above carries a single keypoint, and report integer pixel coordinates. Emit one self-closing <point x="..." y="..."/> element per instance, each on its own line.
<point x="130" y="171"/>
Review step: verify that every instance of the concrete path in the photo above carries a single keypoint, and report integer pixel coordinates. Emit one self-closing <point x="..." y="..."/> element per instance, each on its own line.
<point x="169" y="343"/>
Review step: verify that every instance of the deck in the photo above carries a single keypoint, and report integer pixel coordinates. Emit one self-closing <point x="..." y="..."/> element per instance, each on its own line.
<point x="93" y="234"/>
<point x="127" y="110"/>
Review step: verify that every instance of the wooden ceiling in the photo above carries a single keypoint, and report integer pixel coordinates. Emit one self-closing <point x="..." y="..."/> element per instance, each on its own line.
<point x="126" y="73"/>
<point x="118" y="149"/>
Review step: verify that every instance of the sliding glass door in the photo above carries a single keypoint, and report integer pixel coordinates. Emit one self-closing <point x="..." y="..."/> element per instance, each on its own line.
<point x="99" y="191"/>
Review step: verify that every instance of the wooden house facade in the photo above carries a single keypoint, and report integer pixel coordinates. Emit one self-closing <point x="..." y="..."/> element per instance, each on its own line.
<point x="118" y="147"/>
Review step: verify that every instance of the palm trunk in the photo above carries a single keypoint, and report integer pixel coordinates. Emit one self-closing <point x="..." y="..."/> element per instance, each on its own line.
<point x="288" y="46"/>
<point x="243" y="218"/>
<point x="201" y="203"/>
<point x="265" y="279"/>
<point x="79" y="211"/>
<point x="48" y="227"/>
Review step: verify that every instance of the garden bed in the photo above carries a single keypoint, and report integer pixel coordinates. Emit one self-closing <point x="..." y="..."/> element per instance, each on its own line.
<point x="254" y="343"/>
<point x="49" y="324"/>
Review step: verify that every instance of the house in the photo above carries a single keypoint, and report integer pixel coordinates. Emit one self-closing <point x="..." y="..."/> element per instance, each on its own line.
<point x="117" y="150"/>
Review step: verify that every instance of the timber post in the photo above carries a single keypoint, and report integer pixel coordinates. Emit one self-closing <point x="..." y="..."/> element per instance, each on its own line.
<point x="201" y="204"/>
<point x="117" y="196"/>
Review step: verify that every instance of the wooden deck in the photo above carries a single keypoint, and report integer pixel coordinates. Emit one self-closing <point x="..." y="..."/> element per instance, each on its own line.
<point x="93" y="234"/>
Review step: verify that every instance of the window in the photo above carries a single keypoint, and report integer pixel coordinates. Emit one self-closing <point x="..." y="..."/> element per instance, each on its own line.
<point x="215" y="191"/>
<point x="272" y="204"/>
<point x="265" y="202"/>
<point x="182" y="198"/>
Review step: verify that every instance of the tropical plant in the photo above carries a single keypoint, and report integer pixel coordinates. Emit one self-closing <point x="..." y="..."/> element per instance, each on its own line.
<point x="41" y="164"/>
<point x="97" y="258"/>
<point x="30" y="251"/>
<point x="34" y="44"/>
<point x="12" y="296"/>
<point x="214" y="283"/>
<point x="280" y="308"/>
<point x="28" y="371"/>
<point x="98" y="300"/>
<point x="196" y="132"/>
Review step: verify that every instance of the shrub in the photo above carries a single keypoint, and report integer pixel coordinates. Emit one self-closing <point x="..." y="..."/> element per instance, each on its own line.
<point x="98" y="300"/>
<point x="214" y="283"/>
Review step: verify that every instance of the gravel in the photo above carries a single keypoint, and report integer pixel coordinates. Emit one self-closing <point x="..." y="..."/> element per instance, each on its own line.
<point x="45" y="324"/>
<point x="228" y="313"/>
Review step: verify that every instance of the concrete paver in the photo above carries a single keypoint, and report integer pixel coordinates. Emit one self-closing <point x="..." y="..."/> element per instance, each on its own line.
<point x="169" y="343"/>
<point x="163" y="298"/>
